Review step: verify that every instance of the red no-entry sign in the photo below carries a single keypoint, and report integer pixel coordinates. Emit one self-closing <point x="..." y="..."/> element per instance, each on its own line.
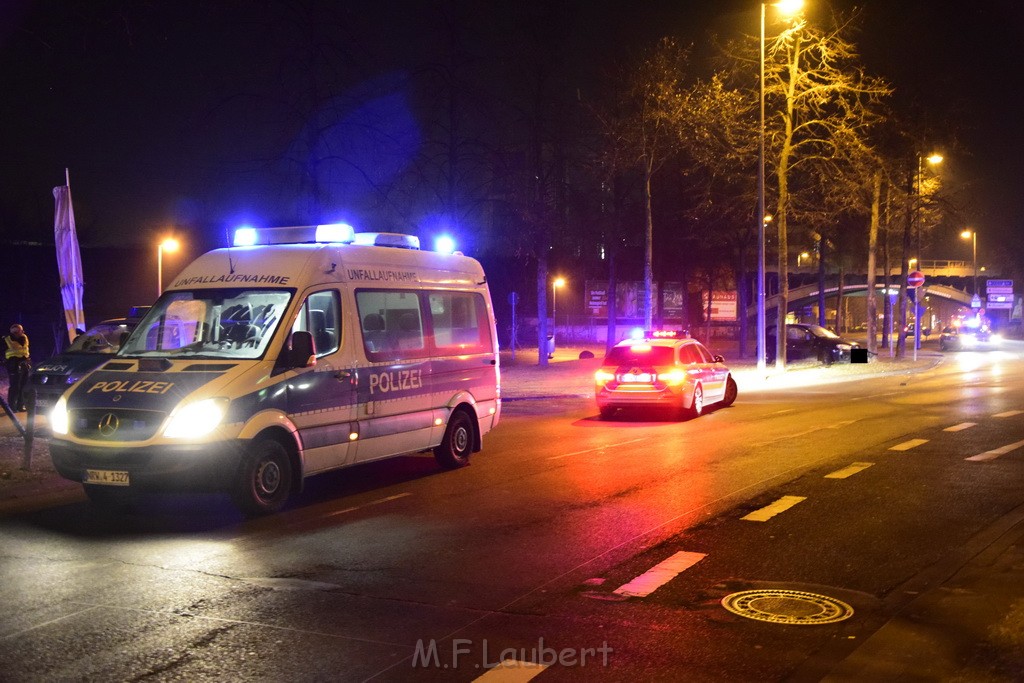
<point x="915" y="279"/>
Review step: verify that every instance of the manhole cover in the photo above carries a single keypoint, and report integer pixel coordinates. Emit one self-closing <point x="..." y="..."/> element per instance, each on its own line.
<point x="787" y="607"/>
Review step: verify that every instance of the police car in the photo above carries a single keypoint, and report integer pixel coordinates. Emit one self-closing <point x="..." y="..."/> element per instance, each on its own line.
<point x="51" y="378"/>
<point x="662" y="370"/>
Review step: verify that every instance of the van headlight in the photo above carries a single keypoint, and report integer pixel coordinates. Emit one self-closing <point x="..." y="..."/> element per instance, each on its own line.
<point x="196" y="419"/>
<point x="59" y="417"/>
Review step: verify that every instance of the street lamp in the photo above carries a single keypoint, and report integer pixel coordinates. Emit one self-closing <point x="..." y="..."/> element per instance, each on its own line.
<point x="169" y="245"/>
<point x="555" y="284"/>
<point x="972" y="235"/>
<point x="804" y="255"/>
<point x="786" y="7"/>
<point x="933" y="159"/>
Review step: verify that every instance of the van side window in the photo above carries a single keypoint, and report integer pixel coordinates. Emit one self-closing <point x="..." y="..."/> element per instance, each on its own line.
<point x="321" y="315"/>
<point x="459" y="321"/>
<point x="392" y="324"/>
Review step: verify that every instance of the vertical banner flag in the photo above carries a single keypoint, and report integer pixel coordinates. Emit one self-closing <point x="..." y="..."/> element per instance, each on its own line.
<point x="69" y="260"/>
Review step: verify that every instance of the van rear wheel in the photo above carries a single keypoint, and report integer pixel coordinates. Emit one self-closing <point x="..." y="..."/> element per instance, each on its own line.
<point x="264" y="479"/>
<point x="457" y="445"/>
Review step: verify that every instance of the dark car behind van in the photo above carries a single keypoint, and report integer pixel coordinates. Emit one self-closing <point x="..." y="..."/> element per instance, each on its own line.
<point x="88" y="351"/>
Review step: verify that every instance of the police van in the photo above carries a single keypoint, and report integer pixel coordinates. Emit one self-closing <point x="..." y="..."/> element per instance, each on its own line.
<point x="295" y="352"/>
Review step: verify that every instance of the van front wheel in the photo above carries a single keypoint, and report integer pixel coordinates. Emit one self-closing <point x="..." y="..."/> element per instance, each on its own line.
<point x="457" y="445"/>
<point x="264" y="479"/>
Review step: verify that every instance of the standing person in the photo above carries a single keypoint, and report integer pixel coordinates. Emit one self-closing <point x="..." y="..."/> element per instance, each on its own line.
<point x="17" y="366"/>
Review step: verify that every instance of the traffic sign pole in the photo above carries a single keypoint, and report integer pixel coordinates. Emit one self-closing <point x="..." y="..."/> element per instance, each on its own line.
<point x="915" y="281"/>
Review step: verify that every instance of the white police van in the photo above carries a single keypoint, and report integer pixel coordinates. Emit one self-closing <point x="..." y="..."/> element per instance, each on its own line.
<point x="307" y="349"/>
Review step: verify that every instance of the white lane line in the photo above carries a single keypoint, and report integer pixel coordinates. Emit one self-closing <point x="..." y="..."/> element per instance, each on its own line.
<point x="656" y="577"/>
<point x="48" y="622"/>
<point x="512" y="671"/>
<point x="849" y="470"/>
<point x="960" y="427"/>
<point x="995" y="453"/>
<point x="783" y="412"/>
<point x="769" y="511"/>
<point x="839" y="425"/>
<point x="598" y="448"/>
<point x="907" y="445"/>
<point x="370" y="504"/>
<point x="1009" y="413"/>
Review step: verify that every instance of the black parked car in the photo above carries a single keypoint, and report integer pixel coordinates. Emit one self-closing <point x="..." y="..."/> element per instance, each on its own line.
<point x="813" y="342"/>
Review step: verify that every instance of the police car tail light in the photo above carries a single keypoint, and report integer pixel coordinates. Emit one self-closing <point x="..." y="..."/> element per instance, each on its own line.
<point x="59" y="417"/>
<point x="603" y="377"/>
<point x="196" y="419"/>
<point x="673" y="377"/>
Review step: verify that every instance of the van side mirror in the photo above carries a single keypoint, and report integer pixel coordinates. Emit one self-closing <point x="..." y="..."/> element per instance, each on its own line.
<point x="302" y="353"/>
<point x="719" y="359"/>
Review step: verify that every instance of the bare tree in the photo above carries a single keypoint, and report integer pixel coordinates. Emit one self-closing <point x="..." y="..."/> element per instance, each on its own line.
<point x="643" y="128"/>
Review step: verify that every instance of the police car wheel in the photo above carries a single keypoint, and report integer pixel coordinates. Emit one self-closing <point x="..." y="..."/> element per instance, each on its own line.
<point x="110" y="499"/>
<point x="457" y="445"/>
<point x="607" y="412"/>
<point x="730" y="392"/>
<point x="264" y="479"/>
<point x="697" y="404"/>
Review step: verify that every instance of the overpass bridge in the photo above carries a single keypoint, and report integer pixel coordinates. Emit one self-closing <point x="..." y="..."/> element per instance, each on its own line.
<point x="807" y="295"/>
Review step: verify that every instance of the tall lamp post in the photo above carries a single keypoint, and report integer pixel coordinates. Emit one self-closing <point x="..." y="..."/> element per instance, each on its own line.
<point x="786" y="7"/>
<point x="169" y="245"/>
<point x="555" y="284"/>
<point x="972" y="235"/>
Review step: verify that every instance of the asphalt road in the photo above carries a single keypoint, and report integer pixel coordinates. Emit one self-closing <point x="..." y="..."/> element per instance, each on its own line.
<point x="868" y="493"/>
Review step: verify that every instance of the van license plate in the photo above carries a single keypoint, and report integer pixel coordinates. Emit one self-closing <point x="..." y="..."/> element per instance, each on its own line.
<point x="106" y="477"/>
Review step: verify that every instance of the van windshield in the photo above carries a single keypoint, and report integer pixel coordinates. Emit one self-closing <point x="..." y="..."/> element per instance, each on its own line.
<point x="209" y="323"/>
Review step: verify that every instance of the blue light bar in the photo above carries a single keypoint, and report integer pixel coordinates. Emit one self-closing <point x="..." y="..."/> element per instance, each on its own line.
<point x="245" y="237"/>
<point x="302" y="234"/>
<point x="334" y="232"/>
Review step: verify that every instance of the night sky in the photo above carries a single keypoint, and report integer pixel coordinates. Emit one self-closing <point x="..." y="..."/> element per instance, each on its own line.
<point x="189" y="115"/>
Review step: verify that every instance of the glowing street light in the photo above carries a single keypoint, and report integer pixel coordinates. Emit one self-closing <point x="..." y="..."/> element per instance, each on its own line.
<point x="972" y="235"/>
<point x="786" y="7"/>
<point x="169" y="245"/>
<point x="802" y="256"/>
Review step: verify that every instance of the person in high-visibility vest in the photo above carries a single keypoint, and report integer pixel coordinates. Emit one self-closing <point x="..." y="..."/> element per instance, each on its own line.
<point x="18" y="366"/>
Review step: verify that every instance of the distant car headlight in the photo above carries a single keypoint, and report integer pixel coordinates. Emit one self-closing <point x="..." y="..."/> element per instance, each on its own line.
<point x="59" y="417"/>
<point x="196" y="419"/>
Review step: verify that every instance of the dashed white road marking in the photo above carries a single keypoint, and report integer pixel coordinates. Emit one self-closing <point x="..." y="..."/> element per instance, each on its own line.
<point x="849" y="470"/>
<point x="597" y="448"/>
<point x="656" y="577"/>
<point x="1009" y="413"/>
<point x="512" y="671"/>
<point x="370" y="504"/>
<point x="839" y="425"/>
<point x="783" y="412"/>
<point x="907" y="445"/>
<point x="960" y="427"/>
<point x="996" y="452"/>
<point x="769" y="511"/>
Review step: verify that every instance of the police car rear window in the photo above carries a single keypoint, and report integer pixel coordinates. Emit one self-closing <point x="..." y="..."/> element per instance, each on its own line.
<point x="640" y="354"/>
